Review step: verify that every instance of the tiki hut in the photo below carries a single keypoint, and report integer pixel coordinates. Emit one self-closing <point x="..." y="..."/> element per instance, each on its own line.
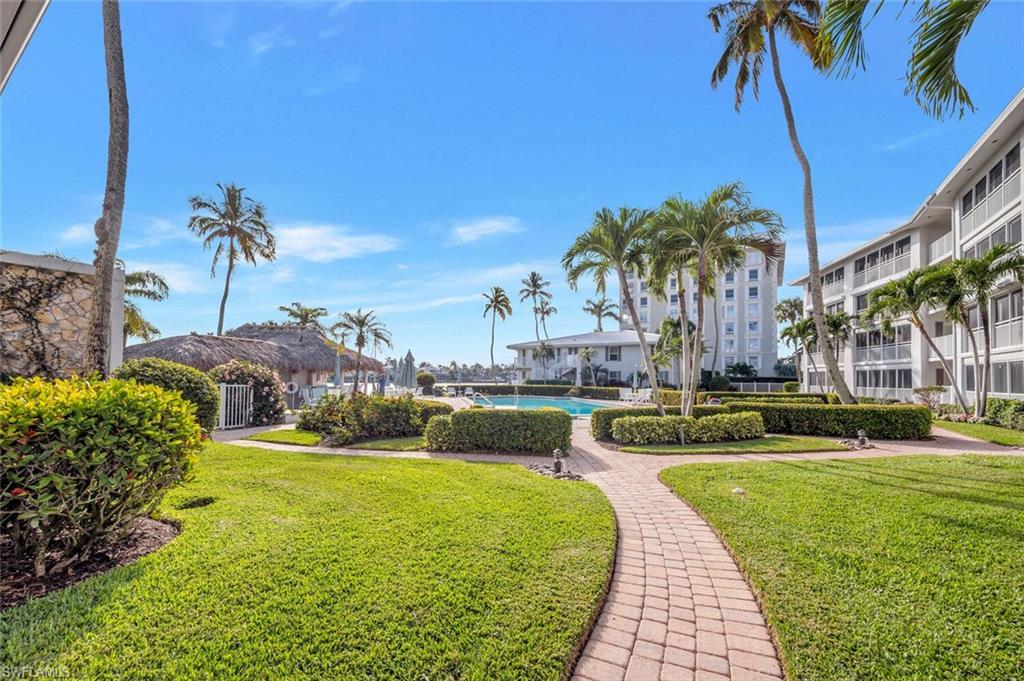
<point x="206" y="352"/>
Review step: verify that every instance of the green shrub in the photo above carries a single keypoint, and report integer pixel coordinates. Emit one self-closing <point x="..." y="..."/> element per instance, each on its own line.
<point x="267" y="389"/>
<point x="652" y="430"/>
<point x="791" y="387"/>
<point x="82" y="459"/>
<point x="548" y="381"/>
<point x="889" y="422"/>
<point x="506" y="389"/>
<point x="1005" y="412"/>
<point x="193" y="384"/>
<point x="540" y="431"/>
<point x="329" y="412"/>
<point x="342" y="422"/>
<point x="703" y="397"/>
<point x="788" y="399"/>
<point x="430" y="408"/>
<point x="719" y="383"/>
<point x="425" y="380"/>
<point x="601" y="420"/>
<point x="874" y="400"/>
<point x="599" y="393"/>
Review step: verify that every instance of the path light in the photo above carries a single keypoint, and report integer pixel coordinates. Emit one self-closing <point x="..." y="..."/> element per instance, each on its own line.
<point x="862" y="438"/>
<point x="558" y="461"/>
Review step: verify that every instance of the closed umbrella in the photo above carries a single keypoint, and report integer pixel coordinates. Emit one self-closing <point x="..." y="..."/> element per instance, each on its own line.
<point x="407" y="376"/>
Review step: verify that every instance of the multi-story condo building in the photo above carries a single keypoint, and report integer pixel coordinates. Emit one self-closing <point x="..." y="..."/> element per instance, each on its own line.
<point x="978" y="204"/>
<point x="740" y="320"/>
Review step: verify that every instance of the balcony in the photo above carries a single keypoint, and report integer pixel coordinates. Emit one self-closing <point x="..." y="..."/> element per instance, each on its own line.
<point x="992" y="205"/>
<point x="941" y="247"/>
<point x="1008" y="334"/>
<point x="887" y="268"/>
<point x="945" y="346"/>
<point x="834" y="289"/>
<point x="882" y="353"/>
<point x="902" y="394"/>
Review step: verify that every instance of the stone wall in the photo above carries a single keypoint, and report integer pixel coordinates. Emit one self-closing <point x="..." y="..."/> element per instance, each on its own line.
<point x="45" y="305"/>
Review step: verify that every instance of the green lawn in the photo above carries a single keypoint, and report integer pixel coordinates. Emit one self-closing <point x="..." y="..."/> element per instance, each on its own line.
<point x="776" y="443"/>
<point x="288" y="436"/>
<point x="982" y="431"/>
<point x="901" y="568"/>
<point x="316" y="567"/>
<point x="393" y="444"/>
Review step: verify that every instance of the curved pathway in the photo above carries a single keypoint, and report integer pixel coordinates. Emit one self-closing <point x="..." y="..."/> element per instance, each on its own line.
<point x="678" y="607"/>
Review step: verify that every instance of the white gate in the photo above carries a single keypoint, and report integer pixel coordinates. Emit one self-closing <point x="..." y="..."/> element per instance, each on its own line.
<point x="235" y="405"/>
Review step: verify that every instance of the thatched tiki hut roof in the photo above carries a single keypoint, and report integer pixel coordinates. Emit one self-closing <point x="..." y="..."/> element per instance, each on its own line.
<point x="206" y="352"/>
<point x="308" y="347"/>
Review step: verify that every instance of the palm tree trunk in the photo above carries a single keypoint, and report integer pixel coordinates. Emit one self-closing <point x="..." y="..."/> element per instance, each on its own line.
<point x="986" y="337"/>
<point x="652" y="373"/>
<point x="493" y="321"/>
<point x="942" y="360"/>
<point x="108" y="226"/>
<point x="796" y="361"/>
<point x="684" y="330"/>
<point x="718" y="327"/>
<point x="977" y="363"/>
<point x="359" y="364"/>
<point x="227" y="286"/>
<point x="698" y="341"/>
<point x="599" y="328"/>
<point x="810" y="232"/>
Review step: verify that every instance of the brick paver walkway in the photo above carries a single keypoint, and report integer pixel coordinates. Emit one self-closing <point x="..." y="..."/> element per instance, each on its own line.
<point x="678" y="607"/>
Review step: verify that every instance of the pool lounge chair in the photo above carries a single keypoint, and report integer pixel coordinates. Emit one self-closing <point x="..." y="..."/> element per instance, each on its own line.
<point x="450" y="391"/>
<point x="627" y="395"/>
<point x="645" y="396"/>
<point x="468" y="392"/>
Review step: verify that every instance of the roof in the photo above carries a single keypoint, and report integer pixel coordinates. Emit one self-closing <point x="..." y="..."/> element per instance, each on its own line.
<point x="308" y="347"/>
<point x="206" y="352"/>
<point x="595" y="338"/>
<point x="18" y="21"/>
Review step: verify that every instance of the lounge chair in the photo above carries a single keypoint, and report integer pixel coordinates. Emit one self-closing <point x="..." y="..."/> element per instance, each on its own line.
<point x="627" y="395"/>
<point x="450" y="391"/>
<point x="418" y="392"/>
<point x="468" y="392"/>
<point x="644" y="396"/>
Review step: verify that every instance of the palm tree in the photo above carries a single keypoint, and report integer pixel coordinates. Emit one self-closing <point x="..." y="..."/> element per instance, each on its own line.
<point x="239" y="220"/>
<point x="147" y="285"/>
<point x="543" y="353"/>
<point x="534" y="289"/>
<point x="954" y="304"/>
<point x="498" y="305"/>
<point x="300" y="315"/>
<point x="749" y="23"/>
<point x="789" y="310"/>
<point x="977" y="279"/>
<point x="545" y="310"/>
<point x="840" y="328"/>
<point x="367" y="329"/>
<point x="601" y="309"/>
<point x="108" y="226"/>
<point x="939" y="29"/>
<point x="907" y="297"/>
<point x="615" y="244"/>
<point x="587" y="355"/>
<point x="801" y="335"/>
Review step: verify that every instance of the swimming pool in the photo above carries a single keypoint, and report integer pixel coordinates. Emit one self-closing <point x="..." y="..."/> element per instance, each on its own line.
<point x="574" y="406"/>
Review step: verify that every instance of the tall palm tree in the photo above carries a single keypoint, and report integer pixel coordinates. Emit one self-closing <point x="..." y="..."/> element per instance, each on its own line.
<point x="534" y="289"/>
<point x="601" y="309"/>
<point x="300" y="315"/>
<point x="955" y="306"/>
<point x="615" y="245"/>
<point x="939" y="29"/>
<point x="366" y="329"/>
<point x="108" y="226"/>
<point x="752" y="28"/>
<point x="977" y="279"/>
<point x="840" y="328"/>
<point x="587" y="355"/>
<point x="497" y="305"/>
<point x="908" y="297"/>
<point x="545" y="310"/>
<point x="145" y="285"/>
<point x="801" y="335"/>
<point x="237" y="220"/>
<point x="789" y="310"/>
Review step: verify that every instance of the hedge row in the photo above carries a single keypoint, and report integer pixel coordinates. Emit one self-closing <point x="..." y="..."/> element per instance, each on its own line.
<point x="601" y="420"/>
<point x="539" y="431"/>
<point x="1006" y="412"/>
<point x="341" y="422"/>
<point x="191" y="383"/>
<point x="703" y="397"/>
<point x="789" y="399"/>
<point x="888" y="422"/>
<point x="660" y="430"/>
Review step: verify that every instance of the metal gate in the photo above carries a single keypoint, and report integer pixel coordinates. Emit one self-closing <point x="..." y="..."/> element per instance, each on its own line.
<point x="235" y="406"/>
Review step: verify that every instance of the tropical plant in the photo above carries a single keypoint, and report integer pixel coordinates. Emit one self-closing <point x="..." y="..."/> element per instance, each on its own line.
<point x="601" y="309"/>
<point x="108" y="226"/>
<point x="535" y="289"/>
<point x="840" y="327"/>
<point x="789" y="310"/>
<point x="239" y="227"/>
<point x="740" y="370"/>
<point x="909" y="296"/>
<point x="497" y="305"/>
<point x="587" y="355"/>
<point x="614" y="245"/>
<point x="801" y="335"/>
<point x="147" y="285"/>
<point x="366" y="329"/>
<point x="752" y="29"/>
<point x="300" y="315"/>
<point x="545" y="310"/>
<point x="940" y="28"/>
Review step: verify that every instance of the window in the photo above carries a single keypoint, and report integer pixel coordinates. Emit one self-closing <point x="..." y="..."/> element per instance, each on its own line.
<point x="728" y="359"/>
<point x="995" y="176"/>
<point x="614" y="375"/>
<point x="729" y="328"/>
<point x="728" y="310"/>
<point x="672" y="283"/>
<point x="903" y="246"/>
<point x="643" y="316"/>
<point x="674" y="298"/>
<point x="754" y="361"/>
<point x="753" y="327"/>
<point x="968" y="377"/>
<point x="980" y="190"/>
<point x="753" y="274"/>
<point x="754" y="345"/>
<point x="966" y="203"/>
<point x="754" y="258"/>
<point x="1000" y="382"/>
<point x="613" y="353"/>
<point x="1008" y="233"/>
<point x="730" y="294"/>
<point x="1001" y="308"/>
<point x="835" y="307"/>
<point x="643" y="285"/>
<point x="730" y="277"/>
<point x="729" y="345"/>
<point x="1017" y="377"/>
<point x="862" y="302"/>
<point x="1013" y="160"/>
<point x="753" y="309"/>
<point x="643" y="301"/>
<point x="753" y="292"/>
<point x="694" y="297"/>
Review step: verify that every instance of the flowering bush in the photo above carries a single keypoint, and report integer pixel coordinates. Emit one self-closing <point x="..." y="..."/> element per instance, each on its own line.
<point x="267" y="389"/>
<point x="960" y="417"/>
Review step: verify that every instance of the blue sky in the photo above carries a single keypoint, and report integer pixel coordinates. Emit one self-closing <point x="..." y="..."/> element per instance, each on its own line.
<point x="410" y="156"/>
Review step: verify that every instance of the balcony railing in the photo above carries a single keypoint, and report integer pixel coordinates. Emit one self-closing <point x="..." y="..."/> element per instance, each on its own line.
<point x="904" y="394"/>
<point x="900" y="263"/>
<point x="991" y="205"/>
<point x="941" y="247"/>
<point x="1008" y="334"/>
<point x="945" y="346"/>
<point x="834" y="289"/>
<point x="882" y="353"/>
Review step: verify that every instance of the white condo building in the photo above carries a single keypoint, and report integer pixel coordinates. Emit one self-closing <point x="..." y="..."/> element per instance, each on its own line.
<point x="739" y="320"/>
<point x="977" y="205"/>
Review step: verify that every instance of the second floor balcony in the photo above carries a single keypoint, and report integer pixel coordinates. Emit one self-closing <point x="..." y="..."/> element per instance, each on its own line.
<point x="881" y="270"/>
<point x="941" y="247"/>
<point x="945" y="346"/>
<point x="893" y="352"/>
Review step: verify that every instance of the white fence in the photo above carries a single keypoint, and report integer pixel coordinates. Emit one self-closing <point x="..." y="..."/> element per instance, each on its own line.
<point x="758" y="386"/>
<point x="235" y="405"/>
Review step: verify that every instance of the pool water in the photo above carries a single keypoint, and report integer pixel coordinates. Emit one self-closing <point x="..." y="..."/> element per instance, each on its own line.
<point x="574" y="406"/>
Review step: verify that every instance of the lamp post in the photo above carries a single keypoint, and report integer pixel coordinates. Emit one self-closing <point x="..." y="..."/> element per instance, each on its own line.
<point x="557" y="467"/>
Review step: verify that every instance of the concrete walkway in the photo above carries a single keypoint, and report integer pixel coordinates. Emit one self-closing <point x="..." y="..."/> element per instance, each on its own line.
<point x="678" y="607"/>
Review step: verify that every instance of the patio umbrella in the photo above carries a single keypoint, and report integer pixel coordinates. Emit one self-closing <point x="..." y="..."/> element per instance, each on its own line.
<point x="407" y="376"/>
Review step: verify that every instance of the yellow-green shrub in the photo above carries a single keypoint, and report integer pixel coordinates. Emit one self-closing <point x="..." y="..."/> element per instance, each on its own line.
<point x="193" y="384"/>
<point x="654" y="430"/>
<point x="601" y="419"/>
<point x="81" y="459"/>
<point x="890" y="422"/>
<point x="540" y="431"/>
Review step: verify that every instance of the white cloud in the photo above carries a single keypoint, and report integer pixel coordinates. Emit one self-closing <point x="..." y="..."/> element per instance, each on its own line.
<point x="326" y="242"/>
<point x="421" y="305"/>
<point x="475" y="230"/>
<point x="340" y="6"/>
<point x="180" y="278"/>
<point x="264" y="41"/>
<point x="146" y="232"/>
<point x="909" y="141"/>
<point x="80" y="233"/>
<point x="218" y="28"/>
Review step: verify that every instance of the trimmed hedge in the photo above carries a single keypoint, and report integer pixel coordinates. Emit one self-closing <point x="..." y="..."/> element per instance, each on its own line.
<point x="601" y="420"/>
<point x="791" y="387"/>
<point x="787" y="399"/>
<point x="663" y="430"/>
<point x="82" y="459"/>
<point x="342" y="422"/>
<point x="888" y="422"/>
<point x="703" y="397"/>
<point x="193" y="384"/>
<point x="539" y="431"/>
